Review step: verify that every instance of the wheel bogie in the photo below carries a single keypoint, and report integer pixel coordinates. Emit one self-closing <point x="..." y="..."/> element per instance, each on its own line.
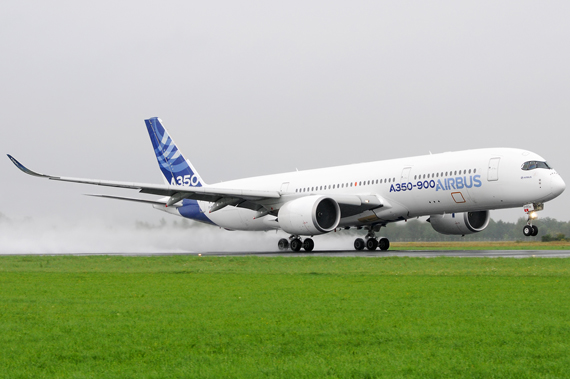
<point x="296" y="244"/>
<point x="308" y="244"/>
<point x="371" y="243"/>
<point x="359" y="244"/>
<point x="283" y="244"/>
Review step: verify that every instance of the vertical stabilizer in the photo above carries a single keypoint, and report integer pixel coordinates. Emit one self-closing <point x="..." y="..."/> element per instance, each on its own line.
<point x="177" y="170"/>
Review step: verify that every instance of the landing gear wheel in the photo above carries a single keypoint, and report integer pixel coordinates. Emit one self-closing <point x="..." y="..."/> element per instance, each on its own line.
<point x="359" y="244"/>
<point x="296" y="244"/>
<point x="308" y="244"/>
<point x="534" y="230"/>
<point x="283" y="244"/>
<point x="528" y="230"/>
<point x="384" y="244"/>
<point x="371" y="243"/>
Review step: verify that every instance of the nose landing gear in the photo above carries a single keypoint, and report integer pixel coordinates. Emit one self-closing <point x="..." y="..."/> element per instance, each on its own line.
<point x="529" y="229"/>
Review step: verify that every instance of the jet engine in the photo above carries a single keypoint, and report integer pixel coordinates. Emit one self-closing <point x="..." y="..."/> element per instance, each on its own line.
<point x="460" y="223"/>
<point x="310" y="215"/>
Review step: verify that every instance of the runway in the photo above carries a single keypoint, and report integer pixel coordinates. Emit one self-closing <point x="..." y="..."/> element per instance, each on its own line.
<point x="365" y="253"/>
<point x="409" y="253"/>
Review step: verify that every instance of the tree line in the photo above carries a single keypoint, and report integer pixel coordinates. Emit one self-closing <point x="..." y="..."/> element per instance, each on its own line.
<point x="549" y="229"/>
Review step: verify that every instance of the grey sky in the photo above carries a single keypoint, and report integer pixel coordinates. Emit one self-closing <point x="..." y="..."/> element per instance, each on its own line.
<point x="252" y="88"/>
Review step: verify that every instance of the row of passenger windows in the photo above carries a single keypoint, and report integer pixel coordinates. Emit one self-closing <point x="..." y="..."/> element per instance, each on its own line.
<point x="382" y="181"/>
<point x="346" y="185"/>
<point x="446" y="174"/>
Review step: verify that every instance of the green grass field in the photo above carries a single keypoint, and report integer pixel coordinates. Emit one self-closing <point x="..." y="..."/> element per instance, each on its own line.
<point x="310" y="317"/>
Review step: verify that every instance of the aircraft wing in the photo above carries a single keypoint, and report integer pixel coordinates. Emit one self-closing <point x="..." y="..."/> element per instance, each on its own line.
<point x="176" y="193"/>
<point x="246" y="198"/>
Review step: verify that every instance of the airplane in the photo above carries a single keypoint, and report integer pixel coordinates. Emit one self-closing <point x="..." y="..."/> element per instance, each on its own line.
<point x="456" y="190"/>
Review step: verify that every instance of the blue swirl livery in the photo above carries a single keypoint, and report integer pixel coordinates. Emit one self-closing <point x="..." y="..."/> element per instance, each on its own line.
<point x="176" y="169"/>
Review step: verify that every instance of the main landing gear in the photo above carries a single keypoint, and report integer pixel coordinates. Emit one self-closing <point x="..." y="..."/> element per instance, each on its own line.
<point x="296" y="244"/>
<point x="371" y="243"/>
<point x="529" y="229"/>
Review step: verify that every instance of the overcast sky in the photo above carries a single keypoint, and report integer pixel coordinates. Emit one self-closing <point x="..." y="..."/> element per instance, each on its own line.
<point x="252" y="88"/>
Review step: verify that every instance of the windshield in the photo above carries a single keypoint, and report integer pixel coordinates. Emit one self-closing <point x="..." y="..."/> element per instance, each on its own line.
<point x="531" y="165"/>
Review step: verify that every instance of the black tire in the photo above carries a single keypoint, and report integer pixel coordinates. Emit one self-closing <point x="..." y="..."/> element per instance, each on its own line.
<point x="527" y="230"/>
<point x="534" y="230"/>
<point x="359" y="244"/>
<point x="283" y="244"/>
<point x="296" y="244"/>
<point x="372" y="244"/>
<point x="384" y="244"/>
<point x="308" y="244"/>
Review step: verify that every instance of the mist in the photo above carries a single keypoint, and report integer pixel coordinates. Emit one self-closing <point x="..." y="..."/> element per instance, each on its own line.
<point x="52" y="236"/>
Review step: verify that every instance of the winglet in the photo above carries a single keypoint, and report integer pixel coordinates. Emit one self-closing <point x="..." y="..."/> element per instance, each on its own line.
<point x="27" y="170"/>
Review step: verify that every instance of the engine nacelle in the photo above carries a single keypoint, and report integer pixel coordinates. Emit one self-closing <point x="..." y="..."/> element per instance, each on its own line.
<point x="310" y="215"/>
<point x="460" y="223"/>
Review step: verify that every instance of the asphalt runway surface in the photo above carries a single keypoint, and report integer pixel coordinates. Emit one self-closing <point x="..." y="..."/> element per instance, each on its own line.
<point x="364" y="253"/>
<point x="407" y="253"/>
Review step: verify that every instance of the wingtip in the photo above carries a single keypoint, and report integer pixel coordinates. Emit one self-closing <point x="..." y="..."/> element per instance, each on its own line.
<point x="26" y="170"/>
<point x="18" y="164"/>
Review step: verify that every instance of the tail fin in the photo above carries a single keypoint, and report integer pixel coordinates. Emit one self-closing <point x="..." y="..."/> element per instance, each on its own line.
<point x="176" y="169"/>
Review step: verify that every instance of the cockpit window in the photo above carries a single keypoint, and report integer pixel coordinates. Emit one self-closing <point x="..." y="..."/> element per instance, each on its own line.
<point x="531" y="165"/>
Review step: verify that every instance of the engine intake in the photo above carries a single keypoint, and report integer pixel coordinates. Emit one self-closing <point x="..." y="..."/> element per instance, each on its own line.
<point x="460" y="223"/>
<point x="310" y="215"/>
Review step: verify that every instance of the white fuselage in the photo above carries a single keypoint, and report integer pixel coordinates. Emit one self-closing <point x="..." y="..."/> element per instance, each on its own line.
<point x="454" y="182"/>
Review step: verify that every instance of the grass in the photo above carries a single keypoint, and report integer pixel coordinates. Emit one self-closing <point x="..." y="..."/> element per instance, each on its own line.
<point x="255" y="317"/>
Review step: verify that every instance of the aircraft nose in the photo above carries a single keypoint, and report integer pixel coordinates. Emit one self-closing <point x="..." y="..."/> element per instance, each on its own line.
<point x="558" y="185"/>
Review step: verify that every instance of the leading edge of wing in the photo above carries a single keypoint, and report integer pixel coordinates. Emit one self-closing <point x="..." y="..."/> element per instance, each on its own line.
<point x="206" y="193"/>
